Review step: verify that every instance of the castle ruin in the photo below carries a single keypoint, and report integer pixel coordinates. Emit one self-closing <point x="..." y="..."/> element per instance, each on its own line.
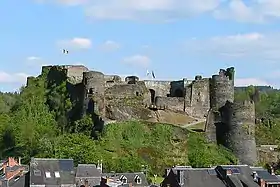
<point x="229" y="123"/>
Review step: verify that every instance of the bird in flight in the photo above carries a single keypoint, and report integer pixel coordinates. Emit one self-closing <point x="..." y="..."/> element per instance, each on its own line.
<point x="64" y="51"/>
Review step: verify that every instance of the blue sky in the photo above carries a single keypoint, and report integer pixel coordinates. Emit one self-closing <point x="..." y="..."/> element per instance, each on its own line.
<point x="174" y="38"/>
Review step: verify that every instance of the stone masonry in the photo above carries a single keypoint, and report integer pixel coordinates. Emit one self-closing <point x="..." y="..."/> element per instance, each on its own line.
<point x="110" y="97"/>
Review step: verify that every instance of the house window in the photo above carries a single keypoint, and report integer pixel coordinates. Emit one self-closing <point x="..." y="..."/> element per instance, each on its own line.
<point x="56" y="174"/>
<point x="123" y="179"/>
<point x="48" y="174"/>
<point x="37" y="172"/>
<point x="137" y="179"/>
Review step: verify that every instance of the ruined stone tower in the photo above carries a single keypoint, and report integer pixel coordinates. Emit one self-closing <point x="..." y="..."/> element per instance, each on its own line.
<point x="221" y="91"/>
<point x="239" y="121"/>
<point x="231" y="123"/>
<point x="94" y="90"/>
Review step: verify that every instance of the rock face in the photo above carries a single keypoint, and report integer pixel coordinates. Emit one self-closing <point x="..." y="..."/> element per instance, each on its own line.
<point x="109" y="97"/>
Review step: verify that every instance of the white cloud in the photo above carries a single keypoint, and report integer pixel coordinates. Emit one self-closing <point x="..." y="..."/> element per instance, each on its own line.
<point x="249" y="46"/>
<point x="31" y="58"/>
<point x="250" y="81"/>
<point x="76" y="43"/>
<point x="13" y="77"/>
<point x="110" y="45"/>
<point x="144" y="9"/>
<point x="256" y="11"/>
<point x="137" y="60"/>
<point x="64" y="2"/>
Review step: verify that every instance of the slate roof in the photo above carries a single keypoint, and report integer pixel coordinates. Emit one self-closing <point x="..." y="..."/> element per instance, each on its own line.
<point x="242" y="174"/>
<point x="130" y="177"/>
<point x="266" y="176"/>
<point x="88" y="170"/>
<point x="19" y="181"/>
<point x="39" y="167"/>
<point x="197" y="177"/>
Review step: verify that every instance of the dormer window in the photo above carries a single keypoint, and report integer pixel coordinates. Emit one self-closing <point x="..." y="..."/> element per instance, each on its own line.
<point x="123" y="179"/>
<point x="56" y="174"/>
<point x="48" y="174"/>
<point x="137" y="179"/>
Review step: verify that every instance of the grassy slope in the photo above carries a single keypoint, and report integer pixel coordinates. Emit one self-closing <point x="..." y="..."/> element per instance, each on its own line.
<point x="133" y="144"/>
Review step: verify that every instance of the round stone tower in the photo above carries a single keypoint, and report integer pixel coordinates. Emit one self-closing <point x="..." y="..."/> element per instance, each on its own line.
<point x="239" y="118"/>
<point x="94" y="84"/>
<point x="221" y="91"/>
<point x="222" y="88"/>
<point x="131" y="79"/>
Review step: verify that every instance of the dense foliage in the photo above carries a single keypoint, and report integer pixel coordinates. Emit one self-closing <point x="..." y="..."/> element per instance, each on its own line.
<point x="267" y="102"/>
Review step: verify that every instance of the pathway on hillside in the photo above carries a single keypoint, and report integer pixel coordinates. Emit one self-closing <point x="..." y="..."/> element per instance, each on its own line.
<point x="194" y="123"/>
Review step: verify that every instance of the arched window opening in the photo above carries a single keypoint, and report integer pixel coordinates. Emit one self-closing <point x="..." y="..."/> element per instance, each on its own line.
<point x="90" y="91"/>
<point x="153" y="95"/>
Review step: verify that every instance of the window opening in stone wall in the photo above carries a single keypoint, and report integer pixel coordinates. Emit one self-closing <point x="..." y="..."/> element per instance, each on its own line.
<point x="110" y="81"/>
<point x="178" y="93"/>
<point x="153" y="94"/>
<point x="90" y="91"/>
<point x="137" y="93"/>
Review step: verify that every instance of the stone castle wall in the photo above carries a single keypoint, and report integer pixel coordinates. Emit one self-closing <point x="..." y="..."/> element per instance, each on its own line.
<point x="228" y="123"/>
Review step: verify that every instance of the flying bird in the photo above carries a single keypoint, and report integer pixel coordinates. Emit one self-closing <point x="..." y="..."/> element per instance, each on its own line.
<point x="64" y="51"/>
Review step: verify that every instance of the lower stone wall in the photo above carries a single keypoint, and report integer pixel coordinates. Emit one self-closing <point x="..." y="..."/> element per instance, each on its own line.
<point x="171" y="103"/>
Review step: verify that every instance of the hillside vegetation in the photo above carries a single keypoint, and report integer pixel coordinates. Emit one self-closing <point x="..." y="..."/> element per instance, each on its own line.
<point x="267" y="103"/>
<point x="39" y="122"/>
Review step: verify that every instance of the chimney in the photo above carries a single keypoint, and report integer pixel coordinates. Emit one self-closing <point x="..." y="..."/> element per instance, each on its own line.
<point x="255" y="176"/>
<point x="99" y="166"/>
<point x="86" y="183"/>
<point x="167" y="171"/>
<point x="261" y="183"/>
<point x="19" y="161"/>
<point x="271" y="170"/>
<point x="180" y="175"/>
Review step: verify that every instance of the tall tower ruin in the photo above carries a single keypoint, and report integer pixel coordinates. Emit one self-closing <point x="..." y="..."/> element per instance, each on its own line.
<point x="221" y="91"/>
<point x="94" y="90"/>
<point x="239" y="121"/>
<point x="231" y="123"/>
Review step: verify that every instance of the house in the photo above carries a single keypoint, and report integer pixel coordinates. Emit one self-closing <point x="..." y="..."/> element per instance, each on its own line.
<point x="88" y="175"/>
<point x="50" y="172"/>
<point x="131" y="179"/>
<point x="220" y="176"/>
<point x="192" y="177"/>
<point x="12" y="172"/>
